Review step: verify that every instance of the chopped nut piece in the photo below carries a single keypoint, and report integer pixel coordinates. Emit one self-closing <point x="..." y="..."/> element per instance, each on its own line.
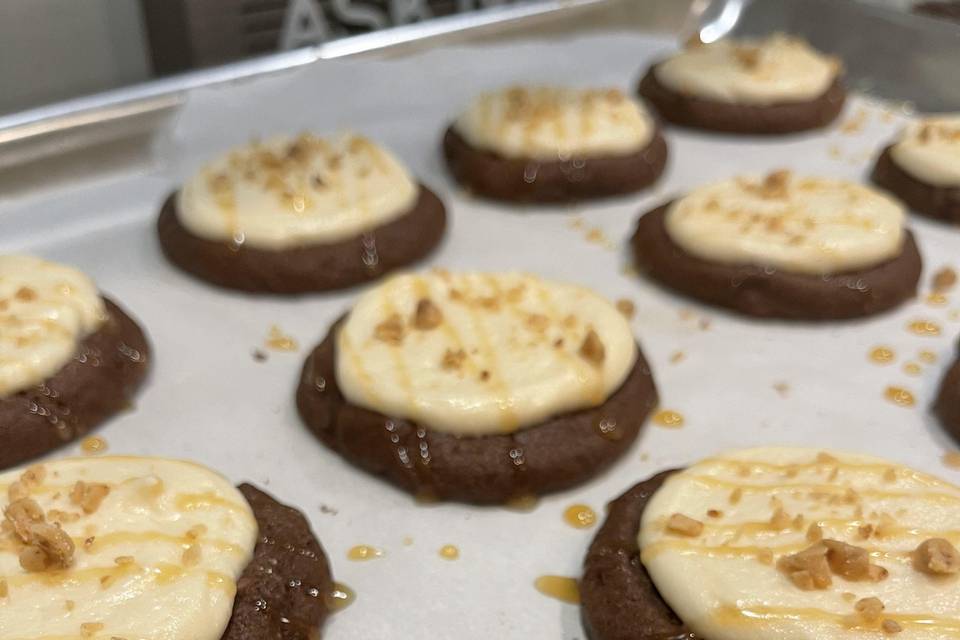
<point x="191" y="557"/>
<point x="846" y="560"/>
<point x="34" y="476"/>
<point x="592" y="350"/>
<point x="944" y="279"/>
<point x="88" y="496"/>
<point x="626" y="307"/>
<point x="815" y="532"/>
<point x="876" y="573"/>
<point x="808" y="569"/>
<point x="714" y="513"/>
<point x="53" y="543"/>
<point x="936" y="556"/>
<point x="17" y="491"/>
<point x="33" y="559"/>
<point x="453" y="360"/>
<point x="427" y="316"/>
<point x="23" y="515"/>
<point x="25" y="294"/>
<point x="869" y="609"/>
<point x="890" y="626"/>
<point x="780" y="519"/>
<point x="89" y="542"/>
<point x="484" y="375"/>
<point x="390" y="330"/>
<point x="684" y="525"/>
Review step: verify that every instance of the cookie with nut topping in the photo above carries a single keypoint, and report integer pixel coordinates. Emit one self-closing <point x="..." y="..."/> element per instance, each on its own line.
<point x="782" y="246"/>
<point x="775" y="85"/>
<point x="922" y="167"/>
<point x="124" y="546"/>
<point x="478" y="387"/>
<point x="547" y="144"/>
<point x="777" y="543"/>
<point x="296" y="215"/>
<point x="70" y="358"/>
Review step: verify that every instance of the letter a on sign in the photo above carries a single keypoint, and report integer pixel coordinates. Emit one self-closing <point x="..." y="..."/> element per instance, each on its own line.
<point x="303" y="25"/>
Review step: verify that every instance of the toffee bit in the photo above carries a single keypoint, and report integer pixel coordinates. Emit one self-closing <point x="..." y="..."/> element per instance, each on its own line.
<point x="682" y="525"/>
<point x="592" y="349"/>
<point x="453" y="360"/>
<point x="936" y="556"/>
<point x="88" y="496"/>
<point x="809" y="569"/>
<point x="390" y="330"/>
<point x="427" y="315"/>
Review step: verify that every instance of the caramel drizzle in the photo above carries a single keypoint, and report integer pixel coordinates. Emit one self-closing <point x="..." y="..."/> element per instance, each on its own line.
<point x="161" y="573"/>
<point x="753" y="527"/>
<point x="760" y="614"/>
<point x="509" y="420"/>
<point x="208" y="500"/>
<point x="872" y="467"/>
<point x="687" y="548"/>
<point x="115" y="538"/>
<point x="347" y="349"/>
<point x="594" y="393"/>
<point x="826" y="489"/>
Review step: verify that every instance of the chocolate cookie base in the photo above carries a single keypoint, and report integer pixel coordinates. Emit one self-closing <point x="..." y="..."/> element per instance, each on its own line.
<point x="526" y="180"/>
<point x="562" y="452"/>
<point x="940" y="203"/>
<point x="315" y="267"/>
<point x="730" y="117"/>
<point x="282" y="593"/>
<point x="98" y="382"/>
<point x="619" y="599"/>
<point x="947" y="405"/>
<point x="768" y="293"/>
<point x="943" y="10"/>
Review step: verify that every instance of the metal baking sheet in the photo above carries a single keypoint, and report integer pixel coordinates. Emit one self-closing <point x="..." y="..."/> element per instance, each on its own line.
<point x="737" y="382"/>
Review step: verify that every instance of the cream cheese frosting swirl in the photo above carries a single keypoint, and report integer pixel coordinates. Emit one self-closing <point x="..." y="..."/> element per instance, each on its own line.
<point x="929" y="150"/>
<point x="815" y="226"/>
<point x="289" y="192"/>
<point x="46" y="309"/>
<point x="550" y="123"/>
<point x="481" y="353"/>
<point x="773" y="70"/>
<point x="801" y="544"/>
<point x="157" y="547"/>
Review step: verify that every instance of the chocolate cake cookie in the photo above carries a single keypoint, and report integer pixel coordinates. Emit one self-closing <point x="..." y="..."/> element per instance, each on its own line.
<point x="299" y="215"/>
<point x="554" y="145"/>
<point x="947" y="404"/>
<point x="140" y="544"/>
<point x="71" y="358"/>
<point x="776" y="85"/>
<point x="522" y="386"/>
<point x="776" y="543"/>
<point x="782" y="247"/>
<point x="923" y="168"/>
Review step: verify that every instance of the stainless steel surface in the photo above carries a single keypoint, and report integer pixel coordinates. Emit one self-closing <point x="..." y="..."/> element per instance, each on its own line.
<point x="888" y="53"/>
<point x="136" y="110"/>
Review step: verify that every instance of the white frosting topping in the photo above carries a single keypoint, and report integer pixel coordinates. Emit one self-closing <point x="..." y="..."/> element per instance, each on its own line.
<point x="158" y="558"/>
<point x="45" y="310"/>
<point x="725" y="581"/>
<point x="775" y="69"/>
<point x="483" y="353"/>
<point x="930" y="150"/>
<point x="288" y="192"/>
<point x="548" y="123"/>
<point x="805" y="225"/>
